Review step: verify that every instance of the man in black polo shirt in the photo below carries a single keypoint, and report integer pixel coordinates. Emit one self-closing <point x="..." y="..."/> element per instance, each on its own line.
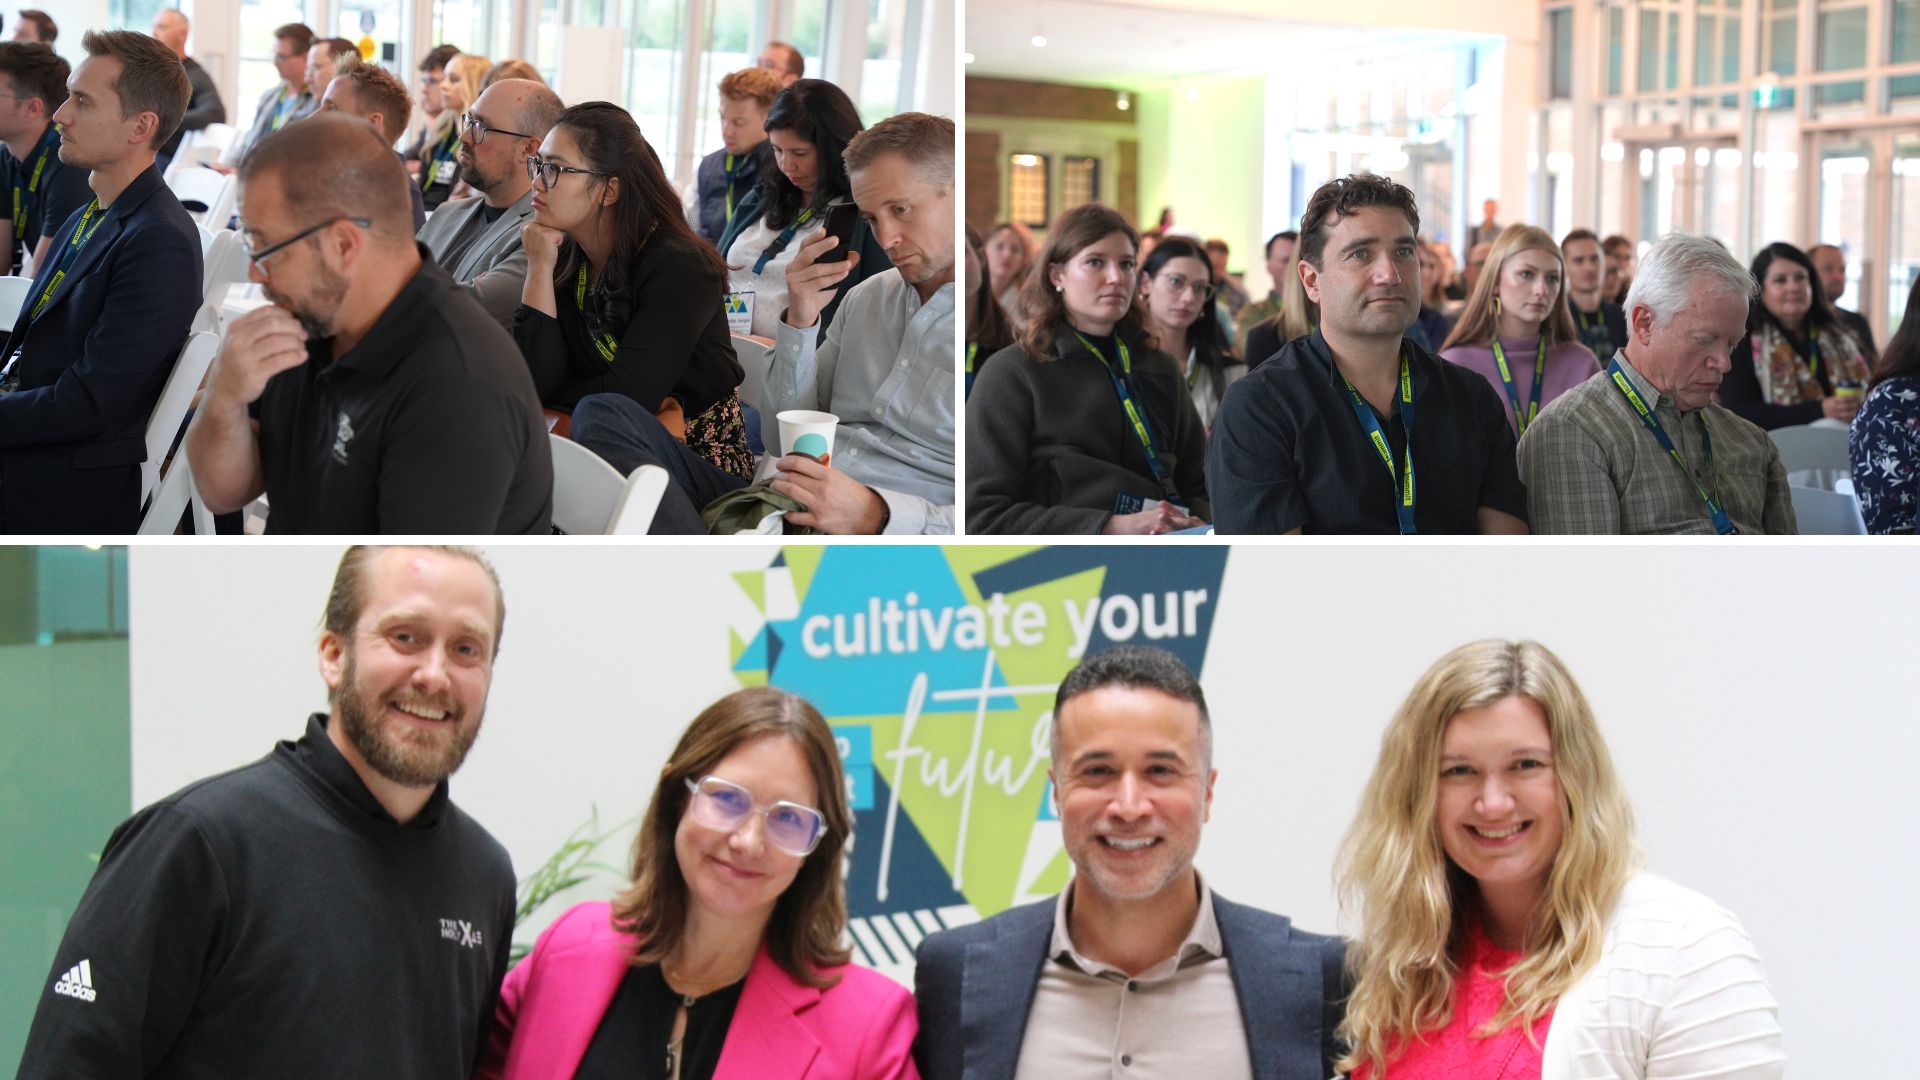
<point x="1356" y="429"/>
<point x="326" y="911"/>
<point x="43" y="192"/>
<point x="374" y="396"/>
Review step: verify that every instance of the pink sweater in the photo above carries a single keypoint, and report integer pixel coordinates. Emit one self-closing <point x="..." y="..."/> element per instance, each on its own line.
<point x="1568" y="365"/>
<point x="1453" y="1052"/>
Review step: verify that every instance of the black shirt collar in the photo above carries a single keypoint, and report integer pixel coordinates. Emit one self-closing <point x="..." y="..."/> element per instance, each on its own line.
<point x="315" y="754"/>
<point x="1067" y="342"/>
<point x="1320" y="357"/>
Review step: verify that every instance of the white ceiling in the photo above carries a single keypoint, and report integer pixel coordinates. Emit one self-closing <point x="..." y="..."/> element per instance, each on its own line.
<point x="1147" y="43"/>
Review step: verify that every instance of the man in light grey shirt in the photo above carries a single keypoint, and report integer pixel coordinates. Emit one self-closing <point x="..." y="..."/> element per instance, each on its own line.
<point x="1138" y="969"/>
<point x="477" y="239"/>
<point x="1642" y="448"/>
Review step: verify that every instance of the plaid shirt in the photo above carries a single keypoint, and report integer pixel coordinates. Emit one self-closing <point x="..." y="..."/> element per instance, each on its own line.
<point x="1591" y="466"/>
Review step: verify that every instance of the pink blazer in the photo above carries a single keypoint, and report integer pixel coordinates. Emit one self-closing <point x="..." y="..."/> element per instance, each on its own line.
<point x="861" y="1028"/>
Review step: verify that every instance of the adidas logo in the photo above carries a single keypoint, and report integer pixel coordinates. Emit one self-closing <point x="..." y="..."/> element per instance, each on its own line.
<point x="77" y="982"/>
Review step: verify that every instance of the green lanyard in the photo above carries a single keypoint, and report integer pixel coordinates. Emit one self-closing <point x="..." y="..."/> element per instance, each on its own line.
<point x="81" y="234"/>
<point x="47" y="142"/>
<point x="442" y="155"/>
<point x="602" y="342"/>
<point x="1520" y="419"/>
<point x="730" y="163"/>
<point x="281" y="110"/>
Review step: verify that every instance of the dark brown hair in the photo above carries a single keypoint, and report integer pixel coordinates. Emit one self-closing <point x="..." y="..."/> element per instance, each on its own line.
<point x="1581" y="234"/>
<point x="822" y="114"/>
<point x="1344" y="195"/>
<point x="299" y="35"/>
<point x="37" y="72"/>
<point x="987" y="322"/>
<point x="1819" y="313"/>
<point x="437" y="57"/>
<point x="1045" y="307"/>
<point x="47" y="31"/>
<point x="152" y="79"/>
<point x="804" y="933"/>
<point x="1902" y="355"/>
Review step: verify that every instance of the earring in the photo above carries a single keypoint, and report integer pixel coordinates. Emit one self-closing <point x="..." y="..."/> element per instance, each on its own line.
<point x="1496" y="305"/>
<point x="1057" y="288"/>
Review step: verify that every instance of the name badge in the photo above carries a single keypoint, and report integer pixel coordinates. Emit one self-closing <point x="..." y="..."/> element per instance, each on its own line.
<point x="740" y="311"/>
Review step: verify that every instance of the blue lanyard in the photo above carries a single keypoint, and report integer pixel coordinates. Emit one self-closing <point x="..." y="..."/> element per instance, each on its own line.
<point x="1521" y="420"/>
<point x="26" y="182"/>
<point x="1136" y="414"/>
<point x="1402" y="478"/>
<point x="1722" y="524"/>
<point x="780" y="242"/>
<point x="81" y="234"/>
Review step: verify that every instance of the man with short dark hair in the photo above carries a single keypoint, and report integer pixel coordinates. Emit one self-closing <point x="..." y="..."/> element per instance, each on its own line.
<point x="1602" y="323"/>
<point x="1642" y="448"/>
<point x="280" y="920"/>
<point x="1279" y="258"/>
<point x="109" y="307"/>
<point x="783" y="60"/>
<point x="1322" y="437"/>
<point x="289" y="100"/>
<point x="33" y="85"/>
<point x="377" y="96"/>
<point x="35" y="28"/>
<point x="327" y="57"/>
<point x="477" y="239"/>
<point x="374" y="396"/>
<point x="1137" y="962"/>
<point x="885" y="367"/>
<point x="205" y="107"/>
<point x="1831" y="263"/>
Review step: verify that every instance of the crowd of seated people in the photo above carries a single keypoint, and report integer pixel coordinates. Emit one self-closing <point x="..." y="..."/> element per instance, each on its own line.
<point x="1577" y="385"/>
<point x="437" y="304"/>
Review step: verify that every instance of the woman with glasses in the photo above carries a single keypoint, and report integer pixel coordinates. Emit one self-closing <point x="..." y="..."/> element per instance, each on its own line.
<point x="1517" y="331"/>
<point x="724" y="958"/>
<point x="621" y="297"/>
<point x="809" y="125"/>
<point x="1082" y="425"/>
<point x="1176" y="292"/>
<point x="439" y="167"/>
<point x="1506" y="930"/>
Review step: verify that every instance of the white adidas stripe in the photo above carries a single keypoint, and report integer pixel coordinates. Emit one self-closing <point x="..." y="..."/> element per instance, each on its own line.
<point x="77" y="982"/>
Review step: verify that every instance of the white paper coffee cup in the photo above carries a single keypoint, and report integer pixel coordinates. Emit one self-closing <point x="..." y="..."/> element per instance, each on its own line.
<point x="804" y="431"/>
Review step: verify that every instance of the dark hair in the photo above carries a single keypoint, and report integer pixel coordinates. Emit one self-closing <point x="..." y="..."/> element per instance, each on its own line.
<point x="1215" y="243"/>
<point x="1045" y="308"/>
<point x="363" y="177"/>
<point x="1615" y="242"/>
<point x="437" y="57"/>
<point x="824" y="115"/>
<point x="1344" y="195"/>
<point x="804" y="933"/>
<point x="1209" y="347"/>
<point x="37" y="72"/>
<point x="1284" y="234"/>
<point x="47" y="32"/>
<point x="375" y="89"/>
<point x="987" y="322"/>
<point x="152" y="79"/>
<point x="300" y="35"/>
<point x="348" y="598"/>
<point x="338" y="47"/>
<point x="1135" y="667"/>
<point x="1819" y="313"/>
<point x="1580" y="234"/>
<point x="1902" y="354"/>
<point x="612" y="148"/>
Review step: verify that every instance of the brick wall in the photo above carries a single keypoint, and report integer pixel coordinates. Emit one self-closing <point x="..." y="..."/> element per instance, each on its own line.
<point x="983" y="180"/>
<point x="1043" y="101"/>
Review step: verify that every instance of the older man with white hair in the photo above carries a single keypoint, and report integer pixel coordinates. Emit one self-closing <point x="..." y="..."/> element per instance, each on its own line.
<point x="1642" y="447"/>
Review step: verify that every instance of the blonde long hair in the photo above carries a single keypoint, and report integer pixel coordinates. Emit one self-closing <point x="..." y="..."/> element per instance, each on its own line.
<point x="472" y="71"/>
<point x="1479" y="320"/>
<point x="1415" y="904"/>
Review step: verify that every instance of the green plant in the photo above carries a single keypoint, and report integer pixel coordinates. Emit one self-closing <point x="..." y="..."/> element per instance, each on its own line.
<point x="572" y="864"/>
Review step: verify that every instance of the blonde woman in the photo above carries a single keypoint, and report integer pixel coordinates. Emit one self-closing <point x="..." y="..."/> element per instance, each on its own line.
<point x="439" y="151"/>
<point x="1506" y="930"/>
<point x="1517" y="331"/>
<point x="1298" y="317"/>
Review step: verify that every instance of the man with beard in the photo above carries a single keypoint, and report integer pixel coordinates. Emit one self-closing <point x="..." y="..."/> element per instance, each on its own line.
<point x="373" y="396"/>
<point x="325" y="911"/>
<point x="1321" y="438"/>
<point x="1138" y="963"/>
<point x="477" y="240"/>
<point x="110" y="304"/>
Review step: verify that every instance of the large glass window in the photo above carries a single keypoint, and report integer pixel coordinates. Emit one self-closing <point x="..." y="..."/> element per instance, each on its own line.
<point x="1842" y="47"/>
<point x="462" y="24"/>
<point x="729" y="27"/>
<point x="888" y="51"/>
<point x="656" y="30"/>
<point x="1560" y="34"/>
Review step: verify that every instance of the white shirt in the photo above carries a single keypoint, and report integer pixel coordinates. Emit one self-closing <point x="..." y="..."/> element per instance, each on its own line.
<point x="770" y="284"/>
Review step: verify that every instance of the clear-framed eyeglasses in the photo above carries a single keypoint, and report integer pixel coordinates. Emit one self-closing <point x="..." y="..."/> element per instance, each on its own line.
<point x="1179" y="283"/>
<point x="724" y="806"/>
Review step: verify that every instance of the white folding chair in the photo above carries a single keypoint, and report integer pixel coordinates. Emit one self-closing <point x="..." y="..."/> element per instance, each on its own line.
<point x="639" y="502"/>
<point x="1813" y="456"/>
<point x="1826" y="513"/>
<point x="13" y="297"/>
<point x="213" y="192"/>
<point x="756" y="359"/>
<point x="163" y="427"/>
<point x="586" y="490"/>
<point x="207" y="237"/>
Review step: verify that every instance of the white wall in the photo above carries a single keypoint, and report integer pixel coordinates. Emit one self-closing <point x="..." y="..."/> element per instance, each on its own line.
<point x="1758" y="701"/>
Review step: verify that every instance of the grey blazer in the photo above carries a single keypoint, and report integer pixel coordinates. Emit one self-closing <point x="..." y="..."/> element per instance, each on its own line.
<point x="493" y="269"/>
<point x="975" y="984"/>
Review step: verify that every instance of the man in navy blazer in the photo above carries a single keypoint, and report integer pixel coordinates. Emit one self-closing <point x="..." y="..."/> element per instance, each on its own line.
<point x="109" y="307"/>
<point x="1137" y="968"/>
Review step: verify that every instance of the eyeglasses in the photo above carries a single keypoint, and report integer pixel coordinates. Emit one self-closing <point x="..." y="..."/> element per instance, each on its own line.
<point x="480" y="128"/>
<point x="256" y="258"/>
<point x="547" y="173"/>
<point x="724" y="806"/>
<point x="1200" y="289"/>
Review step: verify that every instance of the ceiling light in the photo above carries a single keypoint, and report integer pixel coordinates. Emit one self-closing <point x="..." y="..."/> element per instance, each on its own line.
<point x="1123" y="102"/>
<point x="1039" y="41"/>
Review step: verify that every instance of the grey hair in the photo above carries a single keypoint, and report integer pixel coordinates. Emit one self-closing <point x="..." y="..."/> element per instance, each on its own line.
<point x="1676" y="265"/>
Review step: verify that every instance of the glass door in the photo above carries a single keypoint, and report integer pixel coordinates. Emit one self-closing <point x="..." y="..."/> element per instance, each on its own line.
<point x="1844" y="167"/>
<point x="1903" y="235"/>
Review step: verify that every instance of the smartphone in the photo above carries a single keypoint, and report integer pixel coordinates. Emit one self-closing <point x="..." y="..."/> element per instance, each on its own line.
<point x="841" y="219"/>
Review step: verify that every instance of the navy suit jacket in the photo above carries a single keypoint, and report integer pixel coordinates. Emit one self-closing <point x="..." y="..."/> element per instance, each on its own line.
<point x="975" y="984"/>
<point x="92" y="366"/>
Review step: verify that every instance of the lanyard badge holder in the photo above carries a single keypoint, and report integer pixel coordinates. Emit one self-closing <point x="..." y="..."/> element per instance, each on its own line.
<point x="1402" y="478"/>
<point x="1716" y="510"/>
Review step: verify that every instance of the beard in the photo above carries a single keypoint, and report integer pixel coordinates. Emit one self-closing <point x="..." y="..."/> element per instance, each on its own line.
<point x="402" y="753"/>
<point x="318" y="313"/>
